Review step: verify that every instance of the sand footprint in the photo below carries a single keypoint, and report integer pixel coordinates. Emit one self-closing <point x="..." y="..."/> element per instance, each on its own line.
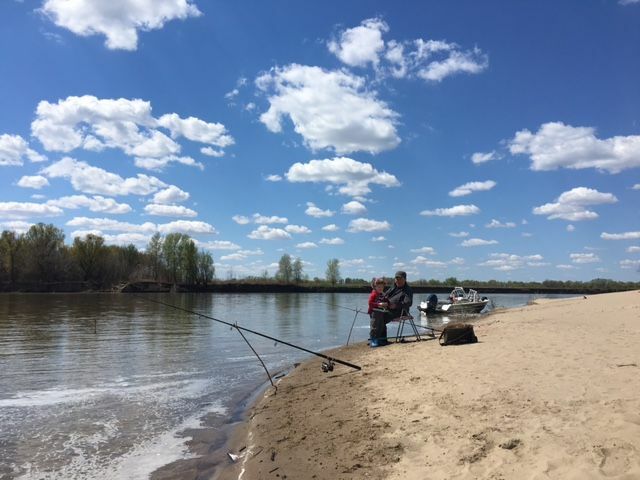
<point x="615" y="457"/>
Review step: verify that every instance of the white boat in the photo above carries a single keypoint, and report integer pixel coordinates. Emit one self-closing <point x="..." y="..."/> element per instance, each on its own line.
<point x="459" y="302"/>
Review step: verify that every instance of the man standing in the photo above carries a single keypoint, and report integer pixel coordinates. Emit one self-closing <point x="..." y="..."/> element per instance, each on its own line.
<point x="399" y="298"/>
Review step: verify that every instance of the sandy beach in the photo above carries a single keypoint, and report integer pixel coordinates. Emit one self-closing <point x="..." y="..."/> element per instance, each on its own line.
<point x="551" y="391"/>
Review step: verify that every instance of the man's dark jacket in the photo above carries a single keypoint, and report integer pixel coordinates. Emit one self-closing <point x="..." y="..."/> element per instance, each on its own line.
<point x="401" y="297"/>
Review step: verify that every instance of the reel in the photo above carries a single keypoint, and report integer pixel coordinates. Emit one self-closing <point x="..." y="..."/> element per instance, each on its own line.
<point x="327" y="366"/>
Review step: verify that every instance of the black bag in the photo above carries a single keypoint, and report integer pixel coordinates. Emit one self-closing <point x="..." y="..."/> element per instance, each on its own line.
<point x="457" y="334"/>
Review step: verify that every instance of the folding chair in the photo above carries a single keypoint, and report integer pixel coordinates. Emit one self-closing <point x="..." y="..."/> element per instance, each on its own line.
<point x="406" y="317"/>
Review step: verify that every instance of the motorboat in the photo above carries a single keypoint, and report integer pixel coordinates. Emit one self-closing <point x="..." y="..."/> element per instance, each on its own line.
<point x="460" y="302"/>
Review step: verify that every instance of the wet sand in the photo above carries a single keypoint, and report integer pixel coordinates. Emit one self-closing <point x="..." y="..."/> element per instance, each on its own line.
<point x="549" y="392"/>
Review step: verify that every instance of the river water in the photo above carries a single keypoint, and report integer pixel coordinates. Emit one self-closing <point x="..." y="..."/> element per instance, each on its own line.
<point x="101" y="386"/>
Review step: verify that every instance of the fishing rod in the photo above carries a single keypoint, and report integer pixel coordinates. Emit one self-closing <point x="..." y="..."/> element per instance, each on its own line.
<point x="357" y="310"/>
<point x="240" y="328"/>
<point x="340" y="306"/>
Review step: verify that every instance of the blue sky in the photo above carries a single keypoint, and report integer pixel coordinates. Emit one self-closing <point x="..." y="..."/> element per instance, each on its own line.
<point x="470" y="139"/>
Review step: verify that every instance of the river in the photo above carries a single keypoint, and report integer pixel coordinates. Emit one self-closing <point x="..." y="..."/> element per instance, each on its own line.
<point x="101" y="386"/>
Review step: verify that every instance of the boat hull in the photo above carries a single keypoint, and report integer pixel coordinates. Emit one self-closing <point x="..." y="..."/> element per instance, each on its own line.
<point x="454" y="308"/>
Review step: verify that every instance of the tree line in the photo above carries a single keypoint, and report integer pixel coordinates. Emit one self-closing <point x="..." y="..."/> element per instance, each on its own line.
<point x="291" y="271"/>
<point x="41" y="256"/>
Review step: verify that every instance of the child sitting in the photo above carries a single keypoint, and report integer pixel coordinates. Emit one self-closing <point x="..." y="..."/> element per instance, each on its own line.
<point x="377" y="299"/>
<point x="377" y="302"/>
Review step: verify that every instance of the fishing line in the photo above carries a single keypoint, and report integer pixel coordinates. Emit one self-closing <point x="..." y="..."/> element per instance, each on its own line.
<point x="239" y="328"/>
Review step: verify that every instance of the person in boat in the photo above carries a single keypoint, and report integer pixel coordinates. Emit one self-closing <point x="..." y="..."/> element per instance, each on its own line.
<point x="399" y="299"/>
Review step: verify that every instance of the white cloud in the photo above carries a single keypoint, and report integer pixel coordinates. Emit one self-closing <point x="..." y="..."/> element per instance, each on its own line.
<point x="13" y="150"/>
<point x="570" y="228"/>
<point x="332" y="241"/>
<point x="353" y="177"/>
<point x="470" y="61"/>
<point x="395" y="55"/>
<point x="118" y="20"/>
<point x="477" y="242"/>
<point x="232" y="94"/>
<point x="566" y="267"/>
<point x="159" y="164"/>
<point x="217" y="245"/>
<point x="264" y="220"/>
<point x="96" y="203"/>
<point x="620" y="236"/>
<point x="506" y="262"/>
<point x="189" y="227"/>
<point x="169" y="195"/>
<point x="633" y="249"/>
<point x="140" y="240"/>
<point x="88" y="179"/>
<point x="497" y="224"/>
<point x="427" y="250"/>
<point x="196" y="130"/>
<point x="34" y="181"/>
<point x="241" y="219"/>
<point x="457" y="261"/>
<point x="110" y="225"/>
<point x="354" y="208"/>
<point x="18" y="226"/>
<point x="316" y="212"/>
<point x="273" y="178"/>
<point x="212" y="152"/>
<point x="306" y="245"/>
<point x="241" y="255"/>
<point x="469" y="188"/>
<point x="628" y="2"/>
<point x="381" y="238"/>
<point x="297" y="229"/>
<point x="571" y="205"/>
<point x="28" y="209"/>
<point x="556" y="145"/>
<point x="584" y="258"/>
<point x="332" y="227"/>
<point x="233" y="257"/>
<point x="458" y="210"/>
<point x="637" y="185"/>
<point x="354" y="262"/>
<point x="329" y="109"/>
<point x="626" y="264"/>
<point x="267" y="233"/>
<point x="360" y="45"/>
<point x="367" y="225"/>
<point x="431" y="60"/>
<point x="480" y="157"/>
<point x="95" y="124"/>
<point x="459" y="234"/>
<point x="169" y="210"/>
<point x="427" y="262"/>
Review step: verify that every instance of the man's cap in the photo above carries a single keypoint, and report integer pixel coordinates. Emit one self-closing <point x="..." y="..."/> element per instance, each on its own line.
<point x="402" y="274"/>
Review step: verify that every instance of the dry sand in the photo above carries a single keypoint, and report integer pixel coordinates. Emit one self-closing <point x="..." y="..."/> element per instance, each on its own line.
<point x="552" y="391"/>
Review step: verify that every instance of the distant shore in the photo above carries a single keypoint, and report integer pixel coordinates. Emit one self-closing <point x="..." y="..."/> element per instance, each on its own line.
<point x="269" y="287"/>
<point x="550" y="391"/>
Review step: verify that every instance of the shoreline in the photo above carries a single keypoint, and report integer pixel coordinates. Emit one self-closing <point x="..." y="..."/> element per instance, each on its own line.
<point x="546" y="393"/>
<point x="140" y="287"/>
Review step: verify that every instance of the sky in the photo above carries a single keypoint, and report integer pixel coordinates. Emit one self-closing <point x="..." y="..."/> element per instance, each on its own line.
<point x="479" y="140"/>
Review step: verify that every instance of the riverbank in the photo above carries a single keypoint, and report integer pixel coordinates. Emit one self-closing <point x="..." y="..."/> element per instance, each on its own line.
<point x="549" y="392"/>
<point x="241" y="286"/>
